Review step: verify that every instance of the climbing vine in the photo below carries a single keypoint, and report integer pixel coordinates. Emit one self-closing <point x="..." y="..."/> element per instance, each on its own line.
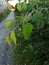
<point x="30" y="33"/>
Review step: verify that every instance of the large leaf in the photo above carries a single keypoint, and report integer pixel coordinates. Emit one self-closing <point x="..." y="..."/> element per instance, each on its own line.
<point x="13" y="37"/>
<point x="27" y="29"/>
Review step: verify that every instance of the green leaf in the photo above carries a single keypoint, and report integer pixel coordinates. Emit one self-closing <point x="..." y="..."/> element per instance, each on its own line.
<point x="27" y="29"/>
<point x="8" y="40"/>
<point x="24" y="6"/>
<point x="13" y="37"/>
<point x="19" y="7"/>
<point x="8" y="24"/>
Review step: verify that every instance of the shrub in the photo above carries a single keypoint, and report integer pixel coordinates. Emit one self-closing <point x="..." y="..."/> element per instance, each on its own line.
<point x="31" y="28"/>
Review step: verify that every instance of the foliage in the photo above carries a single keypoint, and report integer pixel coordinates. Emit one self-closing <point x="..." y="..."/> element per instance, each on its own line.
<point x="13" y="37"/>
<point x="27" y="29"/>
<point x="4" y="15"/>
<point x="19" y="7"/>
<point x="8" y="24"/>
<point x="10" y="7"/>
<point x="31" y="28"/>
<point x="8" y="40"/>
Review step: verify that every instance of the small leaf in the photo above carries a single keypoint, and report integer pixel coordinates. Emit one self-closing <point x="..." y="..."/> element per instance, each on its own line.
<point x="8" y="40"/>
<point x="19" y="7"/>
<point x="8" y="24"/>
<point x="27" y="29"/>
<point x="13" y="37"/>
<point x="24" y="6"/>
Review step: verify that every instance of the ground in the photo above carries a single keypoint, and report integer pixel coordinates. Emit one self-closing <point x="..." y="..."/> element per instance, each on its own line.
<point x="6" y="56"/>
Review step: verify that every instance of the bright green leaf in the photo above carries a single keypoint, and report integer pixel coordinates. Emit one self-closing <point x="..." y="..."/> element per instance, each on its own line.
<point x="13" y="37"/>
<point x="8" y="24"/>
<point x="27" y="29"/>
<point x="19" y="7"/>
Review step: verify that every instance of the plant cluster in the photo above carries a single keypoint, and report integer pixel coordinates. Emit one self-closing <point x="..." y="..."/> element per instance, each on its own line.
<point x="31" y="33"/>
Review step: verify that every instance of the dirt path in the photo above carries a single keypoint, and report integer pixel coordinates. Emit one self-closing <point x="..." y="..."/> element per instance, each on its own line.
<point x="6" y="57"/>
